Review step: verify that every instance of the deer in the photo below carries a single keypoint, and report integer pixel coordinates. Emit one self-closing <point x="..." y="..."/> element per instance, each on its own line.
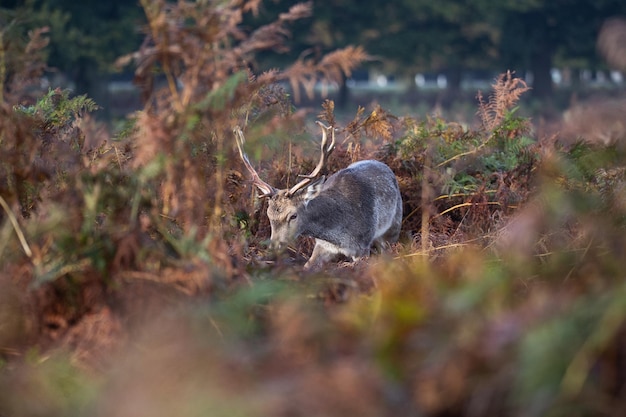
<point x="355" y="210"/>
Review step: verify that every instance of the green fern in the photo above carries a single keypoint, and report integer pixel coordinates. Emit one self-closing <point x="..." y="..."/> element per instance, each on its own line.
<point x="57" y="109"/>
<point x="467" y="159"/>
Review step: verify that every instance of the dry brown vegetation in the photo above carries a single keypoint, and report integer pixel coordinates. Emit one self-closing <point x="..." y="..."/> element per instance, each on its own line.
<point x="134" y="278"/>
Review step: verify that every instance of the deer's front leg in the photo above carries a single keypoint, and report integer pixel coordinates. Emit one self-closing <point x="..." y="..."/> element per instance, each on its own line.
<point x="322" y="252"/>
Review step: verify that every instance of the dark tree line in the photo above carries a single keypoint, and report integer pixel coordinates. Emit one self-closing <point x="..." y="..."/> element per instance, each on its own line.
<point x="403" y="36"/>
<point x="86" y="36"/>
<point x="456" y="36"/>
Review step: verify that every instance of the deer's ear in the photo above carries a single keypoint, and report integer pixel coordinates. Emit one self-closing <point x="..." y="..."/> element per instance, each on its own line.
<point x="314" y="189"/>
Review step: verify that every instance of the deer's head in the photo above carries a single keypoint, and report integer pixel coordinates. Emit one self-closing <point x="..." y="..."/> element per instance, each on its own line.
<point x="285" y="207"/>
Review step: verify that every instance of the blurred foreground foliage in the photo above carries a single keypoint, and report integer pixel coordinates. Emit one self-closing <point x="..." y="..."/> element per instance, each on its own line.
<point x="134" y="280"/>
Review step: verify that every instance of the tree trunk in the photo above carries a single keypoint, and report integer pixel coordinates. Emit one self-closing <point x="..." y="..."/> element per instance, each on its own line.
<point x="453" y="86"/>
<point x="541" y="65"/>
<point x="454" y="76"/>
<point x="344" y="93"/>
<point x="90" y="81"/>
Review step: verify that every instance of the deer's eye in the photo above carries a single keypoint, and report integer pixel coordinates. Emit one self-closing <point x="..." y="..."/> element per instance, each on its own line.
<point x="293" y="217"/>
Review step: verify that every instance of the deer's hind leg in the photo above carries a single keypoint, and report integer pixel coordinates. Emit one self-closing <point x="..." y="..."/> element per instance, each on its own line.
<point x="380" y="245"/>
<point x="383" y="243"/>
<point x="393" y="233"/>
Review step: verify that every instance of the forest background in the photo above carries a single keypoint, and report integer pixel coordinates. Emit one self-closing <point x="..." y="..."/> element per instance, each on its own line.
<point x="463" y="41"/>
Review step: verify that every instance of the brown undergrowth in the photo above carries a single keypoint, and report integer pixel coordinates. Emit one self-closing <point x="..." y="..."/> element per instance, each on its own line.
<point x="134" y="278"/>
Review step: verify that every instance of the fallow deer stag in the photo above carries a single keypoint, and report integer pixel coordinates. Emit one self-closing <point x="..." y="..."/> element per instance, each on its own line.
<point x="355" y="209"/>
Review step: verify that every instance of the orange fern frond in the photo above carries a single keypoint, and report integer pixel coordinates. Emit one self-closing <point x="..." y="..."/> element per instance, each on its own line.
<point x="252" y="6"/>
<point x="296" y="12"/>
<point x="333" y="67"/>
<point x="507" y="91"/>
<point x="301" y="74"/>
<point x="378" y="124"/>
<point x="328" y="113"/>
<point x="342" y="60"/>
<point x="353" y="128"/>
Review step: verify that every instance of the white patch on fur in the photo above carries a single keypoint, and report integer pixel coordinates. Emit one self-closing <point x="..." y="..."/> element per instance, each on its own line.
<point x="328" y="247"/>
<point x="313" y="190"/>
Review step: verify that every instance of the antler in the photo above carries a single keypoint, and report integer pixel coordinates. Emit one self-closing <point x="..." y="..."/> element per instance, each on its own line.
<point x="326" y="151"/>
<point x="264" y="187"/>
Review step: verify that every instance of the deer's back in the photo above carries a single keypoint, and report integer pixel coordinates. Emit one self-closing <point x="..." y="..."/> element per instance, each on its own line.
<point x="356" y="205"/>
